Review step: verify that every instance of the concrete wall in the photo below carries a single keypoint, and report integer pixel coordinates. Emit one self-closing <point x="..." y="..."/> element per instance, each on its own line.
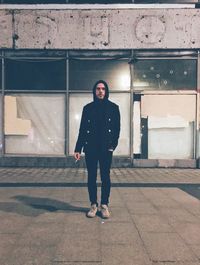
<point x="100" y="29"/>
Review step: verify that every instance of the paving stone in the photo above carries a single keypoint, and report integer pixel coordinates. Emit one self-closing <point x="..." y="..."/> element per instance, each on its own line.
<point x="29" y="256"/>
<point x="177" y="215"/>
<point x="151" y="223"/>
<point x="167" y="247"/>
<point x="78" y="251"/>
<point x="120" y="233"/>
<point x="141" y="208"/>
<point x="123" y="254"/>
<point x="190" y="232"/>
<point x="196" y="250"/>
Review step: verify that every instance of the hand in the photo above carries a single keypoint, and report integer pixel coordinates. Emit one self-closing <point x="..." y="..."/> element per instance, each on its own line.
<point x="77" y="156"/>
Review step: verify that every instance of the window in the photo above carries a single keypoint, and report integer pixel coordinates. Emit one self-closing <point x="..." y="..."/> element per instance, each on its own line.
<point x="165" y="74"/>
<point x="34" y="124"/>
<point x="35" y="74"/>
<point x="76" y="103"/>
<point x="84" y="73"/>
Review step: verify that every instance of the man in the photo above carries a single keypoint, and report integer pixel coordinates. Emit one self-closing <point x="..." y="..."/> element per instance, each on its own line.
<point x="98" y="136"/>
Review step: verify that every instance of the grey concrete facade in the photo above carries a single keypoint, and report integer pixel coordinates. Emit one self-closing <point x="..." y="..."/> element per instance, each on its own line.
<point x="100" y="29"/>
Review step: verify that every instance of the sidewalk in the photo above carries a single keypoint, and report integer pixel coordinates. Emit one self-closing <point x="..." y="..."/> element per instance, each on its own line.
<point x="155" y="218"/>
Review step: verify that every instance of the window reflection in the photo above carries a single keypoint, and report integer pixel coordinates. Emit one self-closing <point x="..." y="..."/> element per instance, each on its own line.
<point x="84" y="73"/>
<point x="35" y="74"/>
<point x="165" y="75"/>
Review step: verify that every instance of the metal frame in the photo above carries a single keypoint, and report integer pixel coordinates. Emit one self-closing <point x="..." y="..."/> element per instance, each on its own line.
<point x="67" y="93"/>
<point x="198" y="109"/>
<point x="178" y="92"/>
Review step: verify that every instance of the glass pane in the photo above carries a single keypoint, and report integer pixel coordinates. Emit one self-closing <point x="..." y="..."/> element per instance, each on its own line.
<point x="35" y="53"/>
<point x="84" y="73"/>
<point x="0" y="74"/>
<point x="120" y="54"/>
<point x="35" y="74"/>
<point x="76" y="103"/>
<point x="168" y="126"/>
<point x="99" y="1"/>
<point x="1" y="118"/>
<point x="165" y="1"/>
<point x="168" y="74"/>
<point x="34" y="1"/>
<point x="34" y="124"/>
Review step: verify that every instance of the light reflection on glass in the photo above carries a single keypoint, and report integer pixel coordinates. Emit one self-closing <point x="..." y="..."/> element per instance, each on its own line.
<point x="124" y="80"/>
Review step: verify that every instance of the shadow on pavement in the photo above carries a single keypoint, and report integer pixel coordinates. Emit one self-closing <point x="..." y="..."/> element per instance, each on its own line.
<point x="34" y="206"/>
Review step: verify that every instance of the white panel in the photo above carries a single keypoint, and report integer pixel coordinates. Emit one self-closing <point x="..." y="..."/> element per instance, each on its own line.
<point x="170" y="125"/>
<point x="123" y="100"/>
<point x="136" y="128"/>
<point x="47" y="134"/>
<point x="76" y="104"/>
<point x="176" y="143"/>
<point x="165" y="105"/>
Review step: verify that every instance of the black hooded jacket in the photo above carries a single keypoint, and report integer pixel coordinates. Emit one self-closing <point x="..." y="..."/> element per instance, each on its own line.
<point x="100" y="124"/>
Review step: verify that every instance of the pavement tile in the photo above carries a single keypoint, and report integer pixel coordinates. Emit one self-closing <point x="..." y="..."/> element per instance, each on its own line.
<point x="190" y="232"/>
<point x="151" y="223"/>
<point x="118" y="254"/>
<point x="167" y="247"/>
<point x="141" y="208"/>
<point x="179" y="215"/>
<point x="13" y="223"/>
<point x="120" y="233"/>
<point x="41" y="235"/>
<point x="29" y="256"/>
<point x="77" y="250"/>
<point x="196" y="250"/>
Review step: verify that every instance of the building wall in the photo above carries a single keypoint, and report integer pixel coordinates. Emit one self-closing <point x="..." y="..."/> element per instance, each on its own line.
<point x="104" y="29"/>
<point x="100" y="29"/>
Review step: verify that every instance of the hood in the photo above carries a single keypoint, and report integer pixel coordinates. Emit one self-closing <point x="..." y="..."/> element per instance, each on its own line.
<point x="106" y="88"/>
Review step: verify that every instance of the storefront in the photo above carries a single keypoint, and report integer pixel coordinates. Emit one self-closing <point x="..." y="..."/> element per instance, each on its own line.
<point x="43" y="93"/>
<point x="51" y="56"/>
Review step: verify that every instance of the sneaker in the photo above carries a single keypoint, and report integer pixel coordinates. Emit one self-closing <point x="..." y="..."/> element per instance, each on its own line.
<point x="92" y="212"/>
<point x="104" y="211"/>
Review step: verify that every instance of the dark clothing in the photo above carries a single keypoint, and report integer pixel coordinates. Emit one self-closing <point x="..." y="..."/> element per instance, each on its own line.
<point x="99" y="132"/>
<point x="100" y="127"/>
<point x="105" y="160"/>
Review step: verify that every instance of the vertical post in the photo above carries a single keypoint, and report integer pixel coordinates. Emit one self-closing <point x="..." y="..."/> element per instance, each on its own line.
<point x="67" y="107"/>
<point x="131" y="108"/>
<point x="2" y="149"/>
<point x="198" y="109"/>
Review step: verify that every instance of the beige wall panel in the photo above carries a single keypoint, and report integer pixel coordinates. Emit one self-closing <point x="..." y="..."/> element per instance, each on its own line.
<point x="6" y="29"/>
<point x="14" y="125"/>
<point x="107" y="29"/>
<point x="161" y="106"/>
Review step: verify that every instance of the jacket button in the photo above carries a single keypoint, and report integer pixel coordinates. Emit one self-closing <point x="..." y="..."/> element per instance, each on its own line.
<point x="88" y="120"/>
<point x="109" y="130"/>
<point x="86" y="142"/>
<point x="109" y="119"/>
<point x="88" y="131"/>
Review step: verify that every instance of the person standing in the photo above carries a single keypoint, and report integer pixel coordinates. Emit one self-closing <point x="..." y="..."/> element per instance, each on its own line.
<point x="98" y="137"/>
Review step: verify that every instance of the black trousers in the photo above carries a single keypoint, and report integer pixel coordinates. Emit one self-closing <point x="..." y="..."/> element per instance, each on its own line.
<point x="104" y="158"/>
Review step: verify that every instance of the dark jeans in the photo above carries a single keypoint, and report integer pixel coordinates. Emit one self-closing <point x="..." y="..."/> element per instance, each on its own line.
<point x="104" y="159"/>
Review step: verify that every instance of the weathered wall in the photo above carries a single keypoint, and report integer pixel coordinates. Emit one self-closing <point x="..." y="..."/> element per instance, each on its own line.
<point x="100" y="29"/>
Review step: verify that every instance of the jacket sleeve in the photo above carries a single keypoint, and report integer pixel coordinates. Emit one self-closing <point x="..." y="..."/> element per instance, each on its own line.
<point x="80" y="140"/>
<point x="117" y="129"/>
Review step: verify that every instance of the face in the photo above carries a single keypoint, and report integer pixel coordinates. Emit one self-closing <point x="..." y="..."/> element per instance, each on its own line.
<point x="100" y="91"/>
